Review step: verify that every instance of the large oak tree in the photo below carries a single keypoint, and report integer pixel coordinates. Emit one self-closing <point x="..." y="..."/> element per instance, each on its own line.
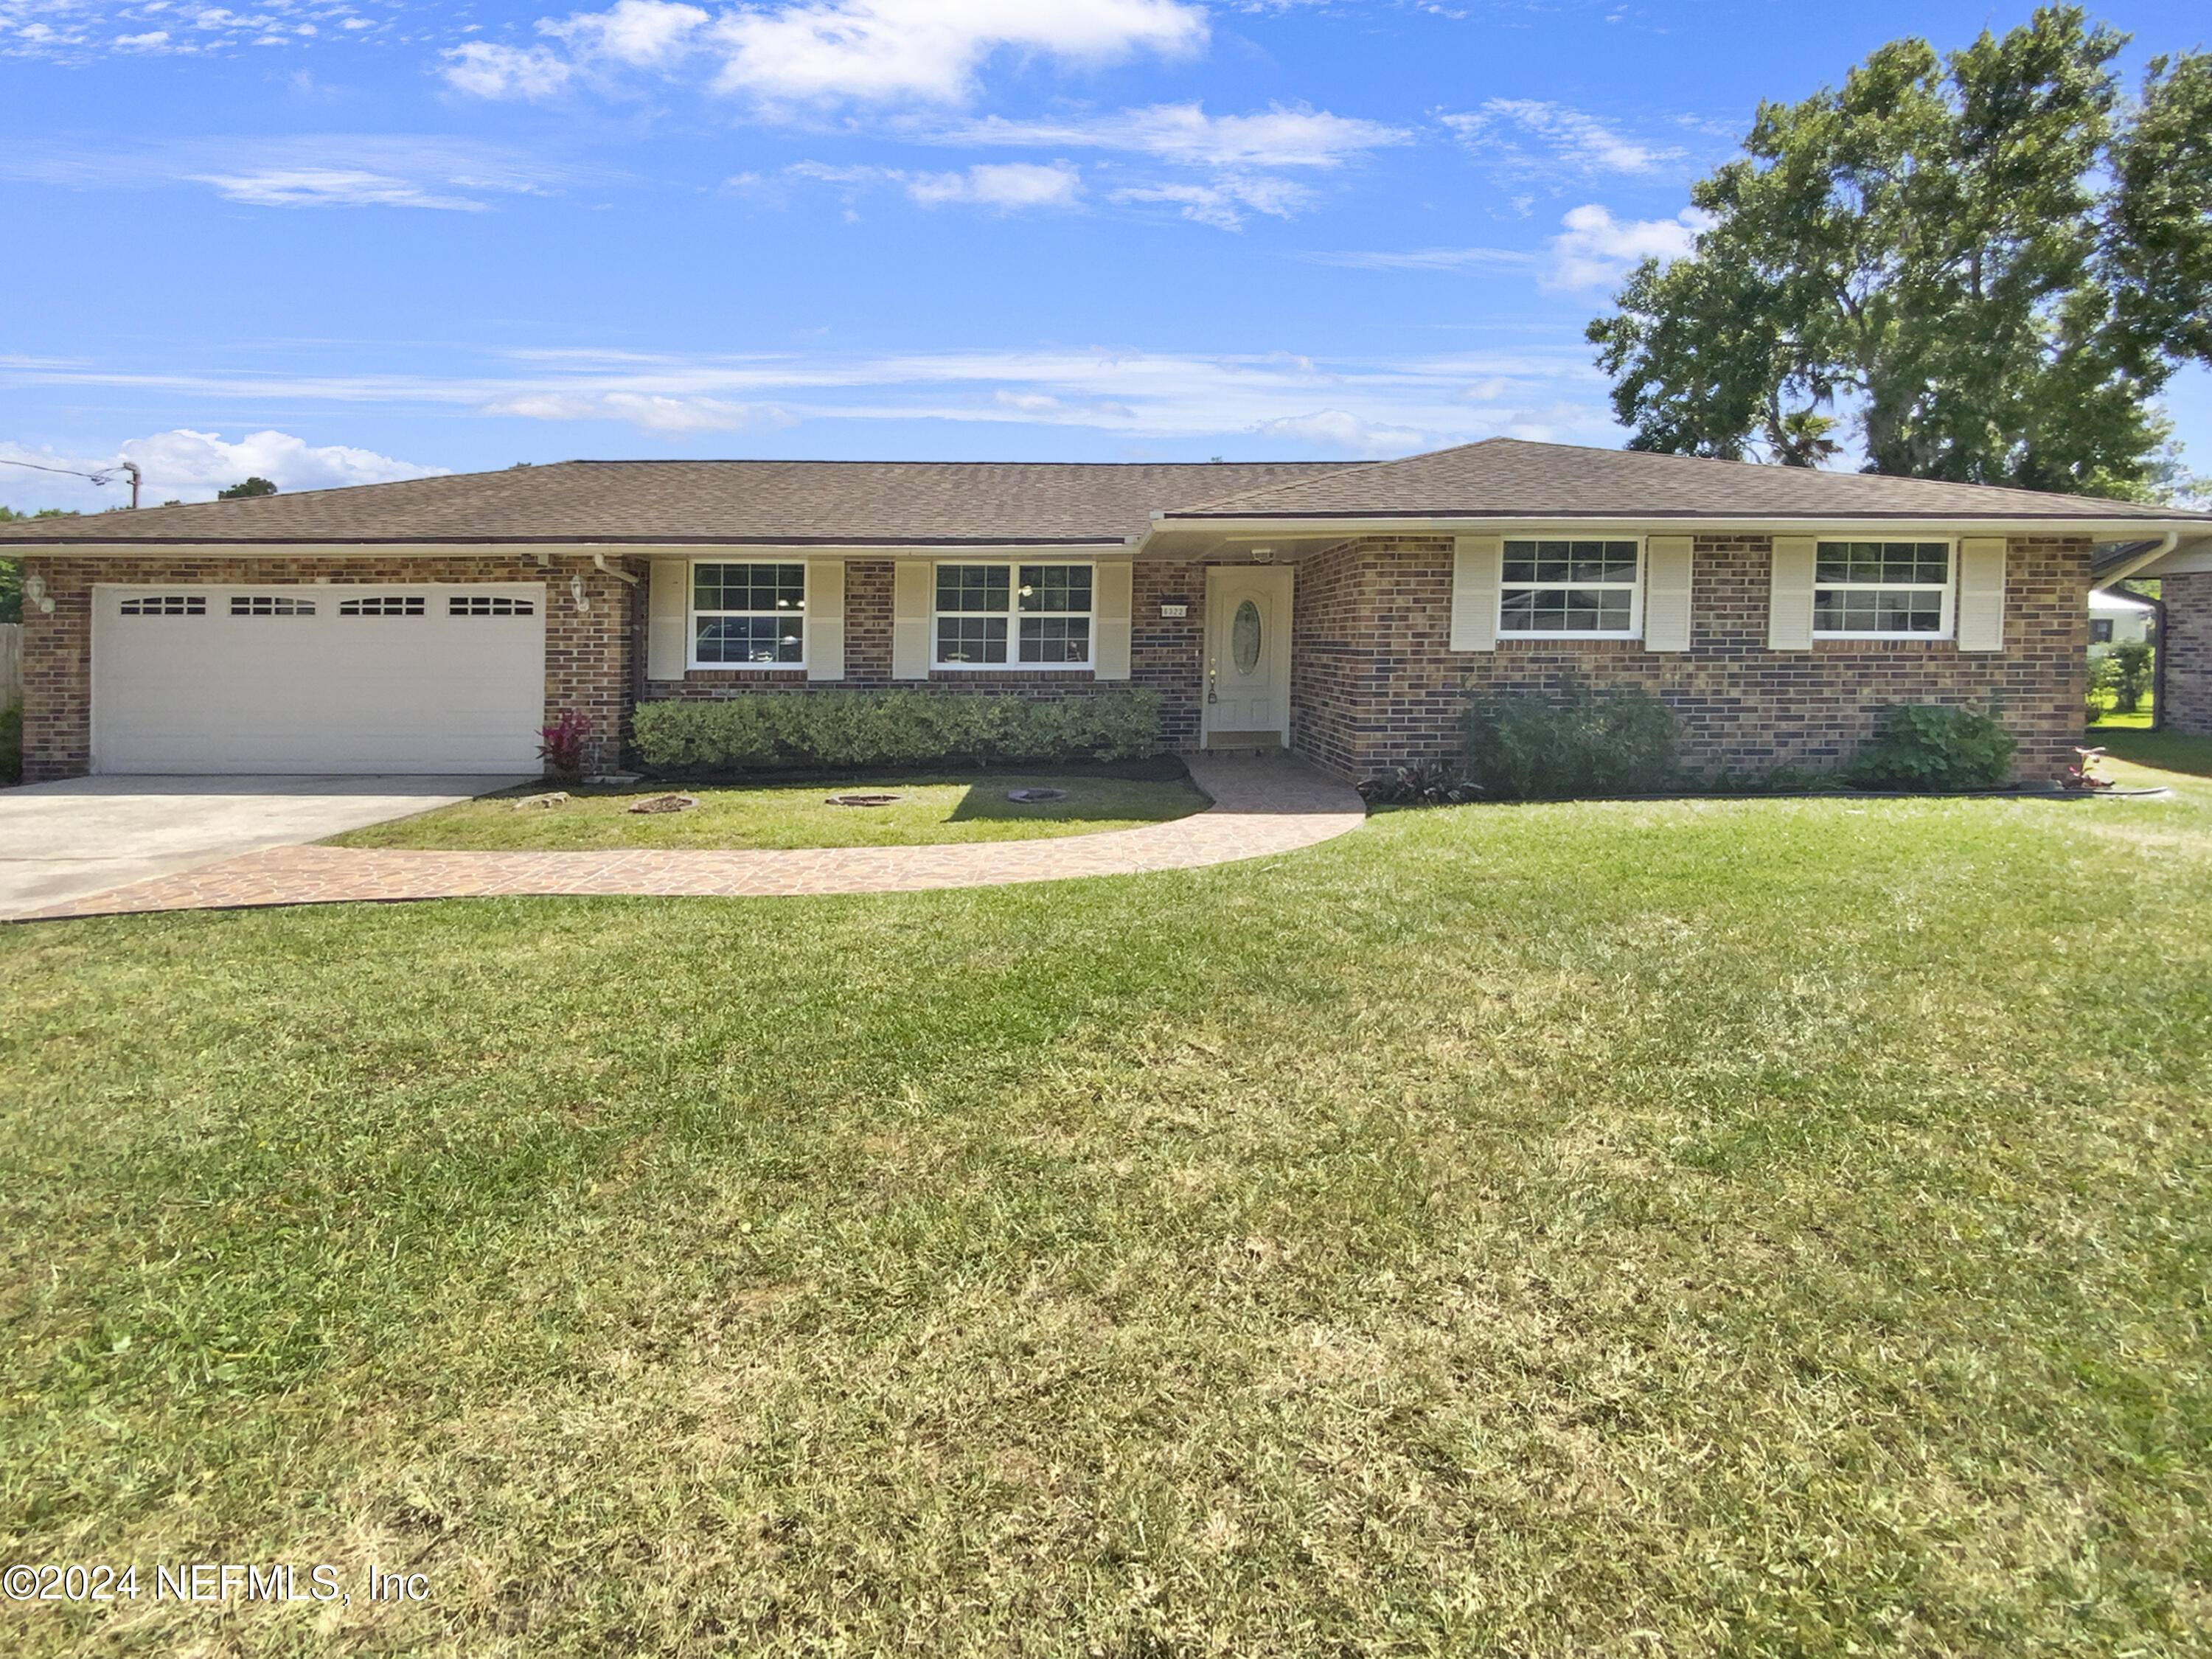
<point x="1990" y="261"/>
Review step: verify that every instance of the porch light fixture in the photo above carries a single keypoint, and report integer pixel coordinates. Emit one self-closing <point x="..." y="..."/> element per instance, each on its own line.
<point x="34" y="590"/>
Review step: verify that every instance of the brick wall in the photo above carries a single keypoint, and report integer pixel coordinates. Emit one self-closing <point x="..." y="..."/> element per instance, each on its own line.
<point x="1164" y="653"/>
<point x="587" y="651"/>
<point x="1374" y="685"/>
<point x="2187" y="649"/>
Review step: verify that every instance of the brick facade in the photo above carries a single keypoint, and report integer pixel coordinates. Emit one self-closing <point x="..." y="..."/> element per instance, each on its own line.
<point x="1164" y="653"/>
<point x="587" y="651"/>
<point x="2187" y="649"/>
<point x="1375" y="683"/>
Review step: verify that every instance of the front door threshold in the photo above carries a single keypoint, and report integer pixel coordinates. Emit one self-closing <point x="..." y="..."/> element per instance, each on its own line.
<point x="1244" y="740"/>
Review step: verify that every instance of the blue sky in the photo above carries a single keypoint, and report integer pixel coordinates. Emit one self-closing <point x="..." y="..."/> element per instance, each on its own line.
<point x="340" y="240"/>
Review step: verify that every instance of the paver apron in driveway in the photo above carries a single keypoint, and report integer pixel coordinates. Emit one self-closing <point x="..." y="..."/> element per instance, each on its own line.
<point x="66" y="840"/>
<point x="1262" y="806"/>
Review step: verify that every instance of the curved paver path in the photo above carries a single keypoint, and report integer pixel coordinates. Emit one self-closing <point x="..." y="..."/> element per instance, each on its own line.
<point x="1260" y="807"/>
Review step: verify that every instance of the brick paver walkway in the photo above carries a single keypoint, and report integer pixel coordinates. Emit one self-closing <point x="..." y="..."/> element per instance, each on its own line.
<point x="1260" y="807"/>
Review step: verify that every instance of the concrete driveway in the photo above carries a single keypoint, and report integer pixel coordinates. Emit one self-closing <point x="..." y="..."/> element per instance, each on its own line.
<point x="83" y="836"/>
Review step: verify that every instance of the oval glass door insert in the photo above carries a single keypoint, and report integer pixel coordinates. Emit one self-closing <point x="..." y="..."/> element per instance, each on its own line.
<point x="1244" y="637"/>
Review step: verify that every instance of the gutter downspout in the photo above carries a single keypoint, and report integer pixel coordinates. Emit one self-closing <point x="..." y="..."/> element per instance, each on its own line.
<point x="600" y="561"/>
<point x="2127" y="568"/>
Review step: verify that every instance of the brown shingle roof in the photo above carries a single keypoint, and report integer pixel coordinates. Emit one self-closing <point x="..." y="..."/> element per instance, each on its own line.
<point x="858" y="502"/>
<point x="1507" y="477"/>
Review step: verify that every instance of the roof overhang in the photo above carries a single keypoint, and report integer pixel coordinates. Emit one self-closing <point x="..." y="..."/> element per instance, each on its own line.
<point x="1347" y="524"/>
<point x="546" y="547"/>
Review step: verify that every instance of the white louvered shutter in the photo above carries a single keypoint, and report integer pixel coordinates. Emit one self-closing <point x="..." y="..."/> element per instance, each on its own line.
<point x="825" y="619"/>
<point x="1667" y="593"/>
<point x="911" y="592"/>
<point x="1475" y="561"/>
<point x="1111" y="588"/>
<point x="1789" y="594"/>
<point x="1981" y="593"/>
<point x="668" y="620"/>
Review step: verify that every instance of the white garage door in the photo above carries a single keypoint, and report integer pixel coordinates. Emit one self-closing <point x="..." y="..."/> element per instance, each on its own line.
<point x="318" y="678"/>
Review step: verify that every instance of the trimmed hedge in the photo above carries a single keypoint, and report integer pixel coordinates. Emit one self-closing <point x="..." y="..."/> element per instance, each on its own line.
<point x="892" y="728"/>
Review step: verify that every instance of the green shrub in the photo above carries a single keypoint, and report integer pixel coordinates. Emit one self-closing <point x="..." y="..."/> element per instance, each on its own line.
<point x="1538" y="745"/>
<point x="2104" y="685"/>
<point x="1928" y="746"/>
<point x="11" y="744"/>
<point x="2131" y="676"/>
<point x="892" y="728"/>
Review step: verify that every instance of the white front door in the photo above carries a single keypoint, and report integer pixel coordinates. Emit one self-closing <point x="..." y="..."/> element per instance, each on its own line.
<point x="314" y="677"/>
<point x="1248" y="656"/>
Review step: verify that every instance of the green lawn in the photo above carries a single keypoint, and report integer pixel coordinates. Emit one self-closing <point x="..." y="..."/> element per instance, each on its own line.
<point x="937" y="808"/>
<point x="1752" y="1227"/>
<point x="2168" y="749"/>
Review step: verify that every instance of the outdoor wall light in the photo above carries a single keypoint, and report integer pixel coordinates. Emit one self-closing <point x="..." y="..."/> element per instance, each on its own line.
<point x="576" y="593"/>
<point x="34" y="590"/>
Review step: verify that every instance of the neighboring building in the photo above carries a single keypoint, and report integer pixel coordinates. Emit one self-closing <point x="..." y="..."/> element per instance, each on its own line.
<point x="1343" y="611"/>
<point x="2118" y="619"/>
<point x="2182" y="564"/>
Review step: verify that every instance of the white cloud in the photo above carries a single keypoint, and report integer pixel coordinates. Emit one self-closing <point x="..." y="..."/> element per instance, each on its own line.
<point x="1223" y="201"/>
<point x="330" y="187"/>
<point x="816" y="52"/>
<point x="1434" y="258"/>
<point x="642" y="34"/>
<point x="80" y="31"/>
<point x="1344" y="434"/>
<point x="188" y="465"/>
<point x="1597" y="250"/>
<point x="489" y="70"/>
<point x="1006" y="186"/>
<point x="660" y="415"/>
<point x="1186" y="134"/>
<point x="1550" y="391"/>
<point x="310" y="170"/>
<point x="1012" y="185"/>
<point x="1578" y="141"/>
<point x="930" y="50"/>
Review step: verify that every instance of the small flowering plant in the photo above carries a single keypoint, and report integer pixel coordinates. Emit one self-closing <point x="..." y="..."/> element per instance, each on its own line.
<point x="561" y="744"/>
<point x="2082" y="774"/>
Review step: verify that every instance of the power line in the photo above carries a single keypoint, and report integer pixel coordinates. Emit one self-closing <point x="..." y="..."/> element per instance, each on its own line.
<point x="103" y="478"/>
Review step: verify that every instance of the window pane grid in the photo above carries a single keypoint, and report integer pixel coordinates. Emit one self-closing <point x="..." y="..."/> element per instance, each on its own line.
<point x="972" y="638"/>
<point x="1568" y="587"/>
<point x="756" y="588"/>
<point x="749" y="615"/>
<point x="1049" y="605"/>
<point x="1895" y="588"/>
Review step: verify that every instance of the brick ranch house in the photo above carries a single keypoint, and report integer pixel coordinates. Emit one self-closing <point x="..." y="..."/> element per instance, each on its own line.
<point x="1342" y="611"/>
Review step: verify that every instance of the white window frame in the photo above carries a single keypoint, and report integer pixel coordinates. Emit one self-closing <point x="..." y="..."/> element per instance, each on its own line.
<point x="1014" y="614"/>
<point x="692" y="614"/>
<point x="1506" y="588"/>
<point x="1947" y="626"/>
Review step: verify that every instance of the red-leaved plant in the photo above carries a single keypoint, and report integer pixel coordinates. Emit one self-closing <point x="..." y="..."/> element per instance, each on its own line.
<point x="563" y="748"/>
<point x="2082" y="774"/>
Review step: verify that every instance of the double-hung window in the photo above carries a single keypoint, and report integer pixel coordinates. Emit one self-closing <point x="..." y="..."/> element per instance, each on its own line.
<point x="1569" y="588"/>
<point x="1881" y="590"/>
<point x="1028" y="615"/>
<point x="748" y="616"/>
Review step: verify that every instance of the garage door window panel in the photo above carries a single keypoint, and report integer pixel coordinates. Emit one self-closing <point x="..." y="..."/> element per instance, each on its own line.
<point x="748" y="616"/>
<point x="166" y="605"/>
<point x="386" y="604"/>
<point x="487" y="604"/>
<point x="269" y="604"/>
